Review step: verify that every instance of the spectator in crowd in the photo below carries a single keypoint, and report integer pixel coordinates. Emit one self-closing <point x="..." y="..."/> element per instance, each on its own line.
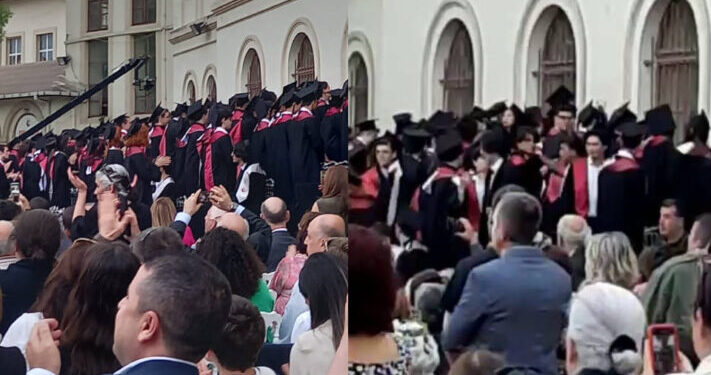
<point x="53" y="298"/>
<point x="331" y="205"/>
<point x="605" y="332"/>
<point x="162" y="214"/>
<point x="671" y="228"/>
<point x="6" y="247"/>
<point x="335" y="182"/>
<point x="36" y="236"/>
<point x="319" y="230"/>
<point x="39" y="203"/>
<point x="276" y="214"/>
<point x="9" y="210"/>
<point x="238" y="262"/>
<point x="288" y="270"/>
<point x="479" y="362"/>
<point x="670" y="294"/>
<point x="325" y="284"/>
<point x="573" y="232"/>
<point x="533" y="300"/>
<point x="156" y="242"/>
<point x="88" y="322"/>
<point x="701" y="324"/>
<point x="372" y="348"/>
<point x="164" y="325"/>
<point x="609" y="257"/>
<point x="235" y="350"/>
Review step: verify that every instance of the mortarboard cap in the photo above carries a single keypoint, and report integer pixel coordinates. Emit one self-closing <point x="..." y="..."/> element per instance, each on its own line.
<point x="135" y="127"/>
<point x="699" y="126"/>
<point x="120" y="119"/>
<point x="496" y="109"/>
<point x="39" y="142"/>
<point x="415" y="131"/>
<point x="659" y="120"/>
<point x="308" y="92"/>
<point x="287" y="99"/>
<point x="195" y="108"/>
<point x="441" y="121"/>
<point x="109" y="132"/>
<point x="72" y="133"/>
<point x="621" y="115"/>
<point x="267" y="95"/>
<point x="366" y="126"/>
<point x="401" y="121"/>
<point x="631" y="129"/>
<point x="180" y="108"/>
<point x="561" y="96"/>
<point x="156" y="114"/>
<point x="238" y="100"/>
<point x="448" y="145"/>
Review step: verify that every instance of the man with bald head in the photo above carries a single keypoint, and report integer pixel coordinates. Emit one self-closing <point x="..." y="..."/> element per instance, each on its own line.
<point x="235" y="223"/>
<point x="319" y="231"/>
<point x="276" y="214"/>
<point x="573" y="232"/>
<point x="6" y="247"/>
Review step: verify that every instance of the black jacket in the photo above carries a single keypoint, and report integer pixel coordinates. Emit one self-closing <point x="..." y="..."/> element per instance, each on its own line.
<point x="21" y="283"/>
<point x="281" y="239"/>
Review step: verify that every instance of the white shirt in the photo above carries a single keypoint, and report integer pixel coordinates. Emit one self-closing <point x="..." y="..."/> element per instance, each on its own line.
<point x="19" y="332"/>
<point x="593" y="174"/>
<point x="495" y="169"/>
<point x="480" y="188"/>
<point x="302" y="325"/>
<point x="625" y="154"/>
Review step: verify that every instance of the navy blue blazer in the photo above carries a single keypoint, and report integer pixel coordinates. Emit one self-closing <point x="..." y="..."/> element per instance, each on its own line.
<point x="281" y="240"/>
<point x="21" y="283"/>
<point x="160" y="367"/>
<point x="515" y="305"/>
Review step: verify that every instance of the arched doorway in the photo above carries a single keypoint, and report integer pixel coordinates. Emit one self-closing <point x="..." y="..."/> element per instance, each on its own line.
<point x="458" y="81"/>
<point x="254" y="74"/>
<point x="675" y="64"/>
<point x="303" y="57"/>
<point x="211" y="89"/>
<point x="557" y="57"/>
<point x="358" y="75"/>
<point x="190" y="91"/>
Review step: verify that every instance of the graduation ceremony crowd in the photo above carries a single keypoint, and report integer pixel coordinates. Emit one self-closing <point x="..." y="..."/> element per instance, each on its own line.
<point x="512" y="240"/>
<point x="205" y="239"/>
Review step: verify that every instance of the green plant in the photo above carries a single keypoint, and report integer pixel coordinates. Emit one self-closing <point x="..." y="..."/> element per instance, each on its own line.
<point x="5" y="15"/>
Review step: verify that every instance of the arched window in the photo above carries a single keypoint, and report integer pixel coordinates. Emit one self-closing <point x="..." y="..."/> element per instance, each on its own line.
<point x="557" y="58"/>
<point x="675" y="61"/>
<point x="358" y="74"/>
<point x="211" y="88"/>
<point x="254" y="74"/>
<point x="458" y="82"/>
<point x="304" y="60"/>
<point x="191" y="91"/>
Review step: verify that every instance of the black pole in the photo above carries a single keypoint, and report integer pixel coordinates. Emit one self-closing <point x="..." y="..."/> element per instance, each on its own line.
<point x="125" y="68"/>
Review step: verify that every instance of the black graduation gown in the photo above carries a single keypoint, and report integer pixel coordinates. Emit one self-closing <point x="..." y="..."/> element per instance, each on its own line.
<point x="139" y="164"/>
<point x="659" y="163"/>
<point x="621" y="200"/>
<point x="4" y="184"/>
<point x="692" y="186"/>
<point x="306" y="155"/>
<point x="414" y="174"/>
<point x="88" y="175"/>
<point x="276" y="164"/>
<point x="439" y="210"/>
<point x="61" y="187"/>
<point x="114" y="156"/>
<point x="87" y="226"/>
<point x="334" y="133"/>
<point x="493" y="183"/>
<point x="553" y="211"/>
<point x="524" y="172"/>
<point x="223" y="169"/>
<point x="31" y="175"/>
<point x="153" y="149"/>
<point x="256" y="190"/>
<point x="190" y="180"/>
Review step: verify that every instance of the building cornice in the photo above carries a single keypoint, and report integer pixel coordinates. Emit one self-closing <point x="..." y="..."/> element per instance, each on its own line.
<point x="184" y="32"/>
<point x="227" y="6"/>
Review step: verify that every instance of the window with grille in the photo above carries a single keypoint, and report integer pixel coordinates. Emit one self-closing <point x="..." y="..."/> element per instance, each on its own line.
<point x="458" y="82"/>
<point x="675" y="61"/>
<point x="145" y="45"/>
<point x="557" y="59"/>
<point x="98" y="70"/>
<point x="211" y="88"/>
<point x="254" y="75"/>
<point x="191" y="92"/>
<point x="45" y="47"/>
<point x="144" y="11"/>
<point x="358" y="75"/>
<point x="14" y="50"/>
<point x="98" y="15"/>
<point x="304" y="61"/>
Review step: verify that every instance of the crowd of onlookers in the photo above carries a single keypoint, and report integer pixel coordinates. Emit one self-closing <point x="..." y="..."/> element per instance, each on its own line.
<point x="247" y="297"/>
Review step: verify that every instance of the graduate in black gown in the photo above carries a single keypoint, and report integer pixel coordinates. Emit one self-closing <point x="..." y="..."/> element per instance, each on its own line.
<point x="660" y="161"/>
<point x="33" y="181"/>
<point x="60" y="188"/>
<point x="523" y="167"/>
<point x="218" y="168"/>
<point x="491" y="143"/>
<point x="621" y="200"/>
<point x="250" y="190"/>
<point x="334" y="128"/>
<point x="114" y="136"/>
<point x="159" y="120"/>
<point x="693" y="178"/>
<point x="138" y="164"/>
<point x="562" y="113"/>
<point x="442" y="201"/>
<point x="189" y="180"/>
<point x="416" y="163"/>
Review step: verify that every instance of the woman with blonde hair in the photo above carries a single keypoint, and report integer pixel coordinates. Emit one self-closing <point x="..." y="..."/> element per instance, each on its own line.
<point x="609" y="257"/>
<point x="162" y="215"/>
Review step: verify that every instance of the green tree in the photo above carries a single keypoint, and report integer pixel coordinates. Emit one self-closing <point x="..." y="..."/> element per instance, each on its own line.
<point x="5" y="15"/>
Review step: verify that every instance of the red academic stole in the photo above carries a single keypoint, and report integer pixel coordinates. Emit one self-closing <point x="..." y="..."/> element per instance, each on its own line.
<point x="472" y="202"/>
<point x="159" y="131"/>
<point x="283" y="118"/>
<point x="41" y="159"/>
<point x="236" y="131"/>
<point x="303" y="115"/>
<point x="207" y="170"/>
<point x="263" y="124"/>
<point x="332" y="111"/>
<point x="133" y="150"/>
<point x="321" y="103"/>
<point x="580" y="186"/>
<point x="194" y="128"/>
<point x="363" y="197"/>
<point x="623" y="164"/>
<point x="555" y="183"/>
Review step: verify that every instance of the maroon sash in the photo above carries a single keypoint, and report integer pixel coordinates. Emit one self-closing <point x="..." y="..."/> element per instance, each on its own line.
<point x="580" y="186"/>
<point x="133" y="150"/>
<point x="236" y="131"/>
<point x="207" y="170"/>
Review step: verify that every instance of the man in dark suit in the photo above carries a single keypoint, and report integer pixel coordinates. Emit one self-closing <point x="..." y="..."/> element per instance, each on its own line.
<point x="37" y="235"/>
<point x="276" y="214"/>
<point x="523" y="316"/>
<point x="163" y="325"/>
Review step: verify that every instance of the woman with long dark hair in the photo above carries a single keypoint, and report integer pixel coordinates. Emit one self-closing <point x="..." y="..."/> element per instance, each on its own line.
<point x="324" y="284"/>
<point x="88" y="322"/>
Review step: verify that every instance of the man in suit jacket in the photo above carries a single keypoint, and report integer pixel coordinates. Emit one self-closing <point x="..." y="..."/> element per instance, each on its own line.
<point x="276" y="214"/>
<point x="163" y="326"/>
<point x="516" y="304"/>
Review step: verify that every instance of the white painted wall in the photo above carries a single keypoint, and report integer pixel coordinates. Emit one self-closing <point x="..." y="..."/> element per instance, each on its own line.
<point x="32" y="17"/>
<point x="402" y="35"/>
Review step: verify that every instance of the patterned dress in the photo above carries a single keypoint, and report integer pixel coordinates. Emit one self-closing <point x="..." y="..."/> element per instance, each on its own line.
<point x="400" y="366"/>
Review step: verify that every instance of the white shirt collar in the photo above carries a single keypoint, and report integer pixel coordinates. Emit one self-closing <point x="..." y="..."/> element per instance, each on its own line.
<point x="279" y="230"/>
<point x="625" y="154"/>
<point x="497" y="164"/>
<point x="220" y="130"/>
<point x="304" y="109"/>
<point x="135" y="363"/>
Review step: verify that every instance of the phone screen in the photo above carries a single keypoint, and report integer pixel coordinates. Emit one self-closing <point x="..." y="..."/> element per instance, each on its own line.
<point x="15" y="191"/>
<point x="663" y="345"/>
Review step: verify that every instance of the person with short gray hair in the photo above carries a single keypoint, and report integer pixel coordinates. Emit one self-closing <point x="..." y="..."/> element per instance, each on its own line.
<point x="605" y="331"/>
<point x="609" y="257"/>
<point x="524" y="316"/>
<point x="573" y="233"/>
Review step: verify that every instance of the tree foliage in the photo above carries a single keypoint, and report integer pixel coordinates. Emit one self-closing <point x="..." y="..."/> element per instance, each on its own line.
<point x="5" y="15"/>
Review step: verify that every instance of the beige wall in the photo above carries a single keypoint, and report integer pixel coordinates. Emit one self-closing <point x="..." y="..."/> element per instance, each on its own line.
<point x="33" y="17"/>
